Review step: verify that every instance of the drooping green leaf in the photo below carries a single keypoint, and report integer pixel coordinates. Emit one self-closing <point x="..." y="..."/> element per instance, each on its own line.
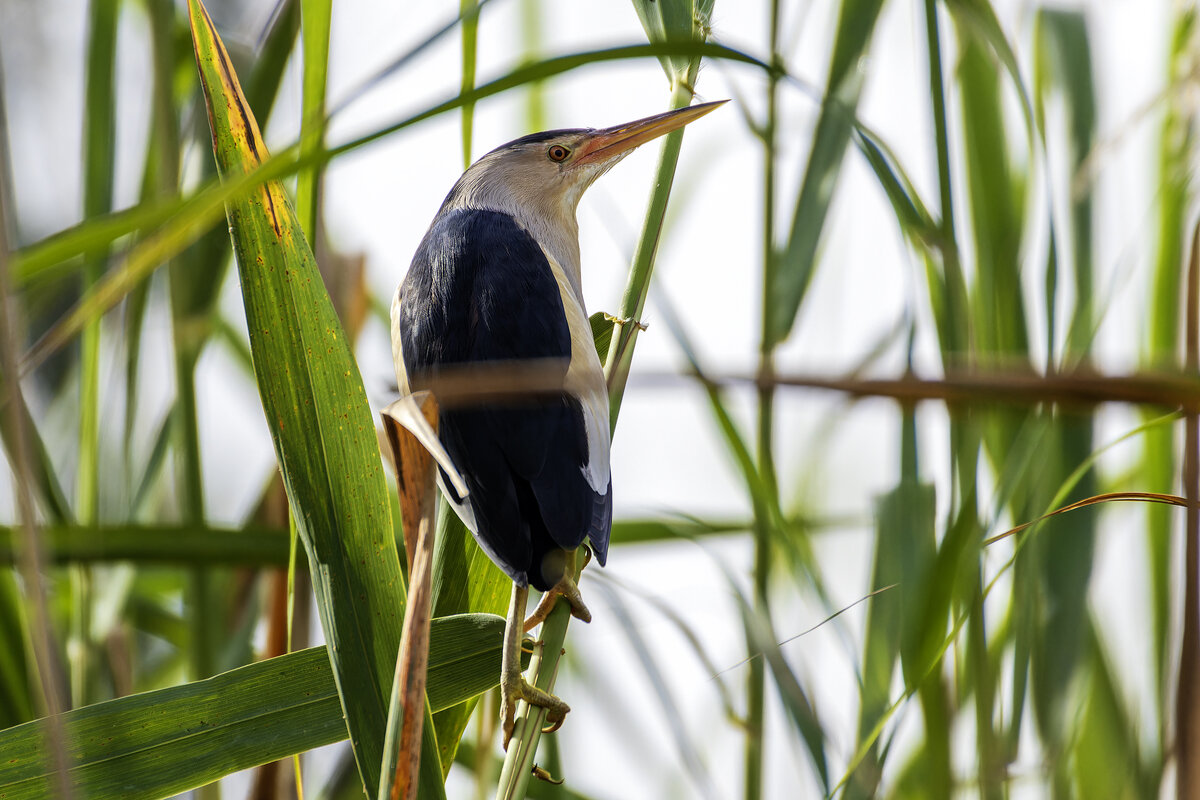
<point x="155" y="744"/>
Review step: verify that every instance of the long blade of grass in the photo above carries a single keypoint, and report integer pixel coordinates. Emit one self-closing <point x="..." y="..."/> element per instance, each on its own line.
<point x="790" y="273"/>
<point x="317" y="413"/>
<point x="468" y="12"/>
<point x="996" y="210"/>
<point x="531" y="42"/>
<point x="315" y="16"/>
<point x="160" y="178"/>
<point x="1064" y="560"/>
<point x="179" y="545"/>
<point x="979" y="18"/>
<point x="1064" y="65"/>
<point x="904" y="551"/>
<point x="196" y="277"/>
<point x="98" y="165"/>
<point x="99" y="136"/>
<point x="1176" y="143"/>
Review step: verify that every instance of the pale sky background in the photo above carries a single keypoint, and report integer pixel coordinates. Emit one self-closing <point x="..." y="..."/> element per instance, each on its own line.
<point x="667" y="457"/>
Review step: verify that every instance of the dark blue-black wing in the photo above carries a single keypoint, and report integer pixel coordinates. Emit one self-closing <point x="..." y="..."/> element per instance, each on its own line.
<point x="480" y="288"/>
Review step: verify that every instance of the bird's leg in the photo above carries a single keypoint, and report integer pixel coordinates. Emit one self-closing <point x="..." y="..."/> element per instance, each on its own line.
<point x="567" y="589"/>
<point x="513" y="686"/>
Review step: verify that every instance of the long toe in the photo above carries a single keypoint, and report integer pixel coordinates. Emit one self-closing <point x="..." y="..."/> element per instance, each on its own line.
<point x="567" y="589"/>
<point x="556" y="709"/>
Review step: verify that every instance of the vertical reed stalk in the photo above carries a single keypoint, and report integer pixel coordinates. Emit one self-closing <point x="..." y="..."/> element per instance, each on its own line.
<point x="765" y="463"/>
<point x="1187" y="703"/>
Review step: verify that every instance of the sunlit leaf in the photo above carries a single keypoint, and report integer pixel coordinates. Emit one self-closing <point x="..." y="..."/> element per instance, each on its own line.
<point x="317" y="412"/>
<point x="158" y="743"/>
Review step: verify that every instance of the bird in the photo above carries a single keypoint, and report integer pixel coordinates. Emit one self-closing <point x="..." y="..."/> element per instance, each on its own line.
<point x="497" y="279"/>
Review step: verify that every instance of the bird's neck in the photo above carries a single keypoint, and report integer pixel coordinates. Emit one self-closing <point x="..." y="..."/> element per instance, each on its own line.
<point x="560" y="238"/>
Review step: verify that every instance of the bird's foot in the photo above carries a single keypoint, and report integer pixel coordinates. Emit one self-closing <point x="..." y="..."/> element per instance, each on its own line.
<point x="515" y="688"/>
<point x="641" y="326"/>
<point x="567" y="589"/>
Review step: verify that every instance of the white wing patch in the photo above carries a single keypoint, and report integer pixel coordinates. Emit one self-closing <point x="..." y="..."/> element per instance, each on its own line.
<point x="585" y="380"/>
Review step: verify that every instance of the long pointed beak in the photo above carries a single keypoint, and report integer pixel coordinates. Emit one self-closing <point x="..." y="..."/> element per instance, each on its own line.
<point x="608" y="144"/>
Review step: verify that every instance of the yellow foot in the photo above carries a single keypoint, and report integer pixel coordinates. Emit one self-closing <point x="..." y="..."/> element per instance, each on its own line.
<point x="567" y="589"/>
<point x="641" y="326"/>
<point x="514" y="689"/>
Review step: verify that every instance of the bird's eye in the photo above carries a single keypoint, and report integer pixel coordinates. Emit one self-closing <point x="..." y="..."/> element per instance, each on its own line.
<point x="558" y="153"/>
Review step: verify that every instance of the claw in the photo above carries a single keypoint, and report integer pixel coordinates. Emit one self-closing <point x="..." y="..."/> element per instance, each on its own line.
<point x="512" y="692"/>
<point x="542" y="774"/>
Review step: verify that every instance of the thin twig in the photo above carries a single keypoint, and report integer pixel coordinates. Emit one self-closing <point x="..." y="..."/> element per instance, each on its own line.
<point x="1109" y="497"/>
<point x="807" y="631"/>
<point x="1082" y="388"/>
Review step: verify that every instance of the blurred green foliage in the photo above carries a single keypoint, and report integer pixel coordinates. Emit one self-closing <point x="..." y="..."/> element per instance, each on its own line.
<point x="978" y="669"/>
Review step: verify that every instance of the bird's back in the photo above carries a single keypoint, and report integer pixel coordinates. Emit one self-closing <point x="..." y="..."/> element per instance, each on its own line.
<point x="479" y="289"/>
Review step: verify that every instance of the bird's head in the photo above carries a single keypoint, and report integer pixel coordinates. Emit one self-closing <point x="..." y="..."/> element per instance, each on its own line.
<point x="546" y="173"/>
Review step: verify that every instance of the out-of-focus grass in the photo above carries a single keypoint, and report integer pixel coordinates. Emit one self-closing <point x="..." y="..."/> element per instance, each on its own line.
<point x="954" y="639"/>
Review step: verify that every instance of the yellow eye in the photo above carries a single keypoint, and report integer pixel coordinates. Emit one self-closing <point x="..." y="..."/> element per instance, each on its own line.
<point x="558" y="153"/>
